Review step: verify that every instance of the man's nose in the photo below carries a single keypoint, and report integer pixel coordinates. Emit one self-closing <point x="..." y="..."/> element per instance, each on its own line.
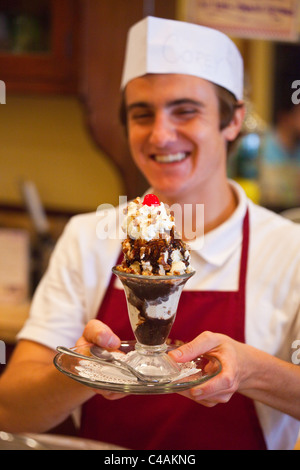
<point x="163" y="131"/>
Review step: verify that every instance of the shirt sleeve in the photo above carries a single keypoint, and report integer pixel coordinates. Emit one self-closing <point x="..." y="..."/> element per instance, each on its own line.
<point x="295" y="338"/>
<point x="57" y="315"/>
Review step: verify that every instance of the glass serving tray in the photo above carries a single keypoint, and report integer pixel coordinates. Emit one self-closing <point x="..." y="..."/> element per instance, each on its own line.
<point x="107" y="377"/>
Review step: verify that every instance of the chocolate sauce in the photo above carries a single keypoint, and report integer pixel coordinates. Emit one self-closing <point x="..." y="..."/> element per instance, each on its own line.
<point x="150" y="290"/>
<point x="153" y="252"/>
<point x="150" y="331"/>
<point x="153" y="331"/>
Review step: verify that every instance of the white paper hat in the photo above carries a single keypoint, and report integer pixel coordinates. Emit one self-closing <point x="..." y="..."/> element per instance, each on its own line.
<point x="156" y="45"/>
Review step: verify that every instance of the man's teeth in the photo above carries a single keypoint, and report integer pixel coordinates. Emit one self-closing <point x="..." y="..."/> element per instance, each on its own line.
<point x="177" y="157"/>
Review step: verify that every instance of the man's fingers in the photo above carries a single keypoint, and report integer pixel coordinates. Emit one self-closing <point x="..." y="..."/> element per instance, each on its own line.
<point x="200" y="345"/>
<point x="98" y="333"/>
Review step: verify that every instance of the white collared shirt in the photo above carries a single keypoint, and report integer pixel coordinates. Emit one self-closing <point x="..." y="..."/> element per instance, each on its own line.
<point x="71" y="291"/>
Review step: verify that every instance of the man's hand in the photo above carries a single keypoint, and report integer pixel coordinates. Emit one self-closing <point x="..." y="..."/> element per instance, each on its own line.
<point x="98" y="333"/>
<point x="245" y="369"/>
<point x="232" y="357"/>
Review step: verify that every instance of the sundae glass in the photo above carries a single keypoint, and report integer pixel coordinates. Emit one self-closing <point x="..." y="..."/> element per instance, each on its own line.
<point x="152" y="303"/>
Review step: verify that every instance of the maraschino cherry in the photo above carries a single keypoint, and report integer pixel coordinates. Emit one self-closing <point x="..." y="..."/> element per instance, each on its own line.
<point x="151" y="200"/>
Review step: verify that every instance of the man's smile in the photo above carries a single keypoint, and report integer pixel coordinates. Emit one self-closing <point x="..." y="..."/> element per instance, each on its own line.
<point x="170" y="158"/>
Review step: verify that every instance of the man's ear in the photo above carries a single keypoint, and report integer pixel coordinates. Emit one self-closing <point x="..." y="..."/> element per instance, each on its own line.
<point x="231" y="131"/>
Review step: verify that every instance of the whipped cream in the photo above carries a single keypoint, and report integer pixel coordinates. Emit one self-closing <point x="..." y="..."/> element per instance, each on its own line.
<point x="147" y="222"/>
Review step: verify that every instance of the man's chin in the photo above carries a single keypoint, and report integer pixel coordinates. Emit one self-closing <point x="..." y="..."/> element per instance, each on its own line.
<point x="168" y="190"/>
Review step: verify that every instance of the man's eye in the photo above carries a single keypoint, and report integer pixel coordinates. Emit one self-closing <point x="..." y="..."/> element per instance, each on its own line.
<point x="186" y="111"/>
<point x="142" y="115"/>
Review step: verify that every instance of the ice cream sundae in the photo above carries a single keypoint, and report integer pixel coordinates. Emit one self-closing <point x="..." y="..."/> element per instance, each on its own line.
<point x="154" y="271"/>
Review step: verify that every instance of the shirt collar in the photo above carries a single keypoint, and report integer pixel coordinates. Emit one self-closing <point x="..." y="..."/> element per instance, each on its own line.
<point x="218" y="244"/>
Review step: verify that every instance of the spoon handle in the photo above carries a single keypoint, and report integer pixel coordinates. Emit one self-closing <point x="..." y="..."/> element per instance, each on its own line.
<point x="114" y="363"/>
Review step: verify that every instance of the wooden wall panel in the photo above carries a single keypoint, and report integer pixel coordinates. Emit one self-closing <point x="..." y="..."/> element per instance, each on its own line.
<point x="104" y="29"/>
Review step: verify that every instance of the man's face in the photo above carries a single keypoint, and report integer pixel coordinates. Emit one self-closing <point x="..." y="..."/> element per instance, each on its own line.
<point x="174" y="132"/>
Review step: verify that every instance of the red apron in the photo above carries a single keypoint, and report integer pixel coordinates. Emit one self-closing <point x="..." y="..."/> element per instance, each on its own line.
<point x="173" y="422"/>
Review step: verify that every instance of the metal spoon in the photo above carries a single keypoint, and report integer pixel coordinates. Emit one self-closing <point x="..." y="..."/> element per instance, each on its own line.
<point x="103" y="354"/>
<point x="104" y="357"/>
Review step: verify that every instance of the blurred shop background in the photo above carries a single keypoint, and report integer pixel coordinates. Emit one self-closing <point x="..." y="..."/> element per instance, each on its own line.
<point x="63" y="150"/>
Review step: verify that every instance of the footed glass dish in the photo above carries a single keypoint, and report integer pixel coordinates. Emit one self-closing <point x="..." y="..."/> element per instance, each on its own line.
<point x="152" y="303"/>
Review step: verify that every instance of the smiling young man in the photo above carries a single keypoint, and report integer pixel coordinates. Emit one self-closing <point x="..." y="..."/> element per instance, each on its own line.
<point x="175" y="139"/>
<point x="242" y="305"/>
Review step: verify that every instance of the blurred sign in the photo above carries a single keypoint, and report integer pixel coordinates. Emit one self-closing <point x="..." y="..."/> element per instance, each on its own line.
<point x="257" y="19"/>
<point x="14" y="265"/>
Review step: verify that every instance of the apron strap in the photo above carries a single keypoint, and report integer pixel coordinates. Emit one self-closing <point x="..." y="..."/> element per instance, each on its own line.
<point x="244" y="253"/>
<point x="110" y="286"/>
